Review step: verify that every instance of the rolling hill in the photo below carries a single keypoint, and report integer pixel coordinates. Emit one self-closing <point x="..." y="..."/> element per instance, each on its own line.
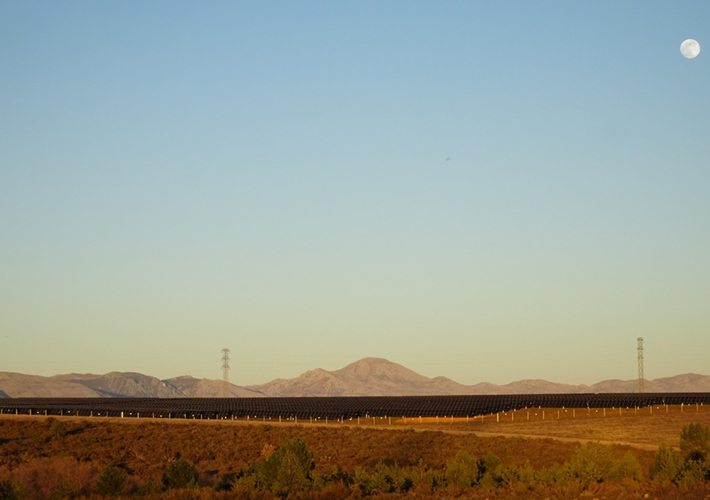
<point x="366" y="377"/>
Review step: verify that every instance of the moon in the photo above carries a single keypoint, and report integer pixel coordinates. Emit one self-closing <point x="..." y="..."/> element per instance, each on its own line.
<point x="690" y="48"/>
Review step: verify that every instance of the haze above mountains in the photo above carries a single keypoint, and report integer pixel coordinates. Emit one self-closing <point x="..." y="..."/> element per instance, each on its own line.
<point x="366" y="377"/>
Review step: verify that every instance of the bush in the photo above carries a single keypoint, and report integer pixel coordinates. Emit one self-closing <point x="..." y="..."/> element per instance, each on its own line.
<point x="462" y="470"/>
<point x="695" y="437"/>
<point x="591" y="463"/>
<point x="627" y="467"/>
<point x="361" y="480"/>
<point x="110" y="482"/>
<point x="57" y="429"/>
<point x="381" y="480"/>
<point x="287" y="469"/>
<point x="180" y="474"/>
<point x="514" y="476"/>
<point x="404" y="478"/>
<point x="666" y="464"/>
<point x="692" y="472"/>
<point x="8" y="491"/>
<point x="224" y="483"/>
<point x="489" y="471"/>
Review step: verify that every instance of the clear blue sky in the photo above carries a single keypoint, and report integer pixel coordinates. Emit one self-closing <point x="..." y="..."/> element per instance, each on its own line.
<point x="489" y="191"/>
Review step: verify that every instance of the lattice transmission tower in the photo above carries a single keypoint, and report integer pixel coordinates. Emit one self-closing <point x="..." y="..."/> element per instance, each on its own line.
<point x="640" y="360"/>
<point x="225" y="373"/>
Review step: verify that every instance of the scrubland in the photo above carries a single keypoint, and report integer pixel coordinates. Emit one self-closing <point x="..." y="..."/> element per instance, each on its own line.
<point x="586" y="456"/>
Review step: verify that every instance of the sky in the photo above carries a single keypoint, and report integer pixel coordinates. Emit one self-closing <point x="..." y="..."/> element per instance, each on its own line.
<point x="488" y="191"/>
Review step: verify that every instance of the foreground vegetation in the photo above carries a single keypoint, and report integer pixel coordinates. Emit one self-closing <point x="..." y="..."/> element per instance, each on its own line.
<point x="54" y="459"/>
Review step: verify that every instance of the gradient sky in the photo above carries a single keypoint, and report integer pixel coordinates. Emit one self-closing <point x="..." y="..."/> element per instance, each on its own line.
<point x="488" y="191"/>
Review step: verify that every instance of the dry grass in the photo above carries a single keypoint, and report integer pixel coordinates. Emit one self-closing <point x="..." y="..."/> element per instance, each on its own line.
<point x="642" y="429"/>
<point x="143" y="447"/>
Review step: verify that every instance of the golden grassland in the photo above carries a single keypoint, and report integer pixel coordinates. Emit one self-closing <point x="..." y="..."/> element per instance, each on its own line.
<point x="33" y="454"/>
<point x="642" y="428"/>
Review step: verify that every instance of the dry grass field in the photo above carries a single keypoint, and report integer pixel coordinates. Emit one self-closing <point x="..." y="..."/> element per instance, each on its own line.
<point x="43" y="461"/>
<point x="642" y="429"/>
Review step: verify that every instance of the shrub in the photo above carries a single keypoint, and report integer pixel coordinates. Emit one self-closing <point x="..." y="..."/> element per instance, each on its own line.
<point x="627" y="467"/>
<point x="696" y="456"/>
<point x="695" y="468"/>
<point x="514" y="476"/>
<point x="404" y="478"/>
<point x="381" y="480"/>
<point x="692" y="472"/>
<point x="337" y="474"/>
<point x="287" y="469"/>
<point x="224" y="483"/>
<point x="180" y="474"/>
<point x="489" y="470"/>
<point x="695" y="437"/>
<point x="361" y="480"/>
<point x="462" y="470"/>
<point x="57" y="429"/>
<point x="8" y="491"/>
<point x="591" y="463"/>
<point x="110" y="482"/>
<point x="65" y="489"/>
<point x="666" y="464"/>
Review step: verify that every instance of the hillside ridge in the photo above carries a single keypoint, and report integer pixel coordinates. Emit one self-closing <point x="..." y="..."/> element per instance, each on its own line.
<point x="365" y="377"/>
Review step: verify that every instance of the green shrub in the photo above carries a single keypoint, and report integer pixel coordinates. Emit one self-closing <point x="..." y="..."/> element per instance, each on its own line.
<point x="516" y="476"/>
<point x="381" y="480"/>
<point x="591" y="463"/>
<point x="556" y="474"/>
<point x="287" y="469"/>
<point x="224" y="483"/>
<point x="338" y="475"/>
<point x="666" y="464"/>
<point x="57" y="429"/>
<point x="180" y="474"/>
<point x="361" y="480"/>
<point x="431" y="479"/>
<point x="695" y="437"/>
<point x="489" y="471"/>
<point x="627" y="467"/>
<point x="692" y="472"/>
<point x="110" y="482"/>
<point x="462" y="470"/>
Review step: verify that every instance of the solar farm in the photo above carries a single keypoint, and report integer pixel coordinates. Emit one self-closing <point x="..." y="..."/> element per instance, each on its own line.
<point x="336" y="408"/>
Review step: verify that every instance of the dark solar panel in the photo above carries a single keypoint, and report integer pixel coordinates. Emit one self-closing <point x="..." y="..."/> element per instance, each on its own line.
<point x="335" y="407"/>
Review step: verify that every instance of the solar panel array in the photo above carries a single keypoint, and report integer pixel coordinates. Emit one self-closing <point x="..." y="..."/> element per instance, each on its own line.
<point x="335" y="407"/>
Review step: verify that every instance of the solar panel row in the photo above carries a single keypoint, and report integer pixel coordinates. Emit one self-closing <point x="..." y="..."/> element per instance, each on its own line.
<point x="335" y="407"/>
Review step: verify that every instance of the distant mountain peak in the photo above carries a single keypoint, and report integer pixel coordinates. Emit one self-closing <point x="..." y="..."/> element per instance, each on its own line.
<point x="365" y="377"/>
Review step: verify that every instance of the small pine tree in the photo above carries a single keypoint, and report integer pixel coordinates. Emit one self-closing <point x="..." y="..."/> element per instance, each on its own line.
<point x="695" y="437"/>
<point x="110" y="482"/>
<point x="462" y="470"/>
<point x="381" y="479"/>
<point x="591" y="463"/>
<point x="666" y="464"/>
<point x="180" y="474"/>
<point x="489" y="466"/>
<point x="627" y="467"/>
<point x="287" y="469"/>
<point x="693" y="471"/>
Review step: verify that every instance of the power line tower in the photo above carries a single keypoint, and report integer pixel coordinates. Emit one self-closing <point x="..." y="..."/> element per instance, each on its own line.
<point x="225" y="373"/>
<point x="640" y="359"/>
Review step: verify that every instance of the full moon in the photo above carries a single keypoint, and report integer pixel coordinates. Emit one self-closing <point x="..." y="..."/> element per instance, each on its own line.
<point x="690" y="48"/>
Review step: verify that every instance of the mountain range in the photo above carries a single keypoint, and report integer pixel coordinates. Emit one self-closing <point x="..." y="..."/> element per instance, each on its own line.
<point x="366" y="377"/>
